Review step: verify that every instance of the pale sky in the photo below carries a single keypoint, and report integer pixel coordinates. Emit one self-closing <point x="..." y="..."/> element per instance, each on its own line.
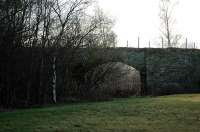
<point x="141" y="18"/>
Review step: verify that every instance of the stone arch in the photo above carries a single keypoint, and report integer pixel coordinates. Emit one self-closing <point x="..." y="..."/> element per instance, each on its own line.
<point x="122" y="80"/>
<point x="125" y="80"/>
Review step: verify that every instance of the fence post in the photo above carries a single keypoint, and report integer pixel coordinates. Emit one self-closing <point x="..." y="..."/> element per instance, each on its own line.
<point x="138" y="42"/>
<point x="194" y="45"/>
<point x="186" y="42"/>
<point x="149" y="44"/>
<point x="162" y="43"/>
<point x="127" y="43"/>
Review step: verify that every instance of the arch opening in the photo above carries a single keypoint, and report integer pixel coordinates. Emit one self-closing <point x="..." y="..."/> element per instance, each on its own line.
<point x="119" y="80"/>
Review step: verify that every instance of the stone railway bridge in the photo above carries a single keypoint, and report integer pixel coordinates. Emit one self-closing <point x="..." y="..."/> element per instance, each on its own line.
<point x="163" y="71"/>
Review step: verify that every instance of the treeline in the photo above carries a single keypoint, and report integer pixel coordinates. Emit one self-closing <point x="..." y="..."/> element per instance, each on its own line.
<point x="31" y="34"/>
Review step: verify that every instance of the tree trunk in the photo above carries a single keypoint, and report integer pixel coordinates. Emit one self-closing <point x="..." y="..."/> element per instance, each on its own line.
<point x="54" y="80"/>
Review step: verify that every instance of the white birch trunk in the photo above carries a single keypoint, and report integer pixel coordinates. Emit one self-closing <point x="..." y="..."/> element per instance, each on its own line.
<point x="54" y="79"/>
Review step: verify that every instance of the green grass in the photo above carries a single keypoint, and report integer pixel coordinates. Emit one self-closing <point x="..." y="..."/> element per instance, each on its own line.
<point x="180" y="113"/>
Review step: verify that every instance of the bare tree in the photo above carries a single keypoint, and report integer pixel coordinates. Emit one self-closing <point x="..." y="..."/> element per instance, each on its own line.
<point x="44" y="26"/>
<point x="171" y="38"/>
<point x="104" y="35"/>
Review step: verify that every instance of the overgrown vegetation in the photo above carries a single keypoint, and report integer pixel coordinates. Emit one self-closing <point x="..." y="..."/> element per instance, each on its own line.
<point x="178" y="113"/>
<point x="32" y="32"/>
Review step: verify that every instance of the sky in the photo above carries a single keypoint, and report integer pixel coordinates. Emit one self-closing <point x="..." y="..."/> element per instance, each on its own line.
<point x="141" y="18"/>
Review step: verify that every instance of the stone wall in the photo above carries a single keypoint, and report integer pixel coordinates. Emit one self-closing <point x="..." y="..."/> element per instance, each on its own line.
<point x="171" y="71"/>
<point x="163" y="71"/>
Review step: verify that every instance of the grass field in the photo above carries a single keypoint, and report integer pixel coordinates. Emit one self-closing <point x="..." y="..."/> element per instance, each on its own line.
<point x="180" y="113"/>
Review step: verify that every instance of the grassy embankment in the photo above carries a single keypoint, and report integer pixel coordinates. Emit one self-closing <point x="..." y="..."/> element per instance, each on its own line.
<point x="180" y="113"/>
